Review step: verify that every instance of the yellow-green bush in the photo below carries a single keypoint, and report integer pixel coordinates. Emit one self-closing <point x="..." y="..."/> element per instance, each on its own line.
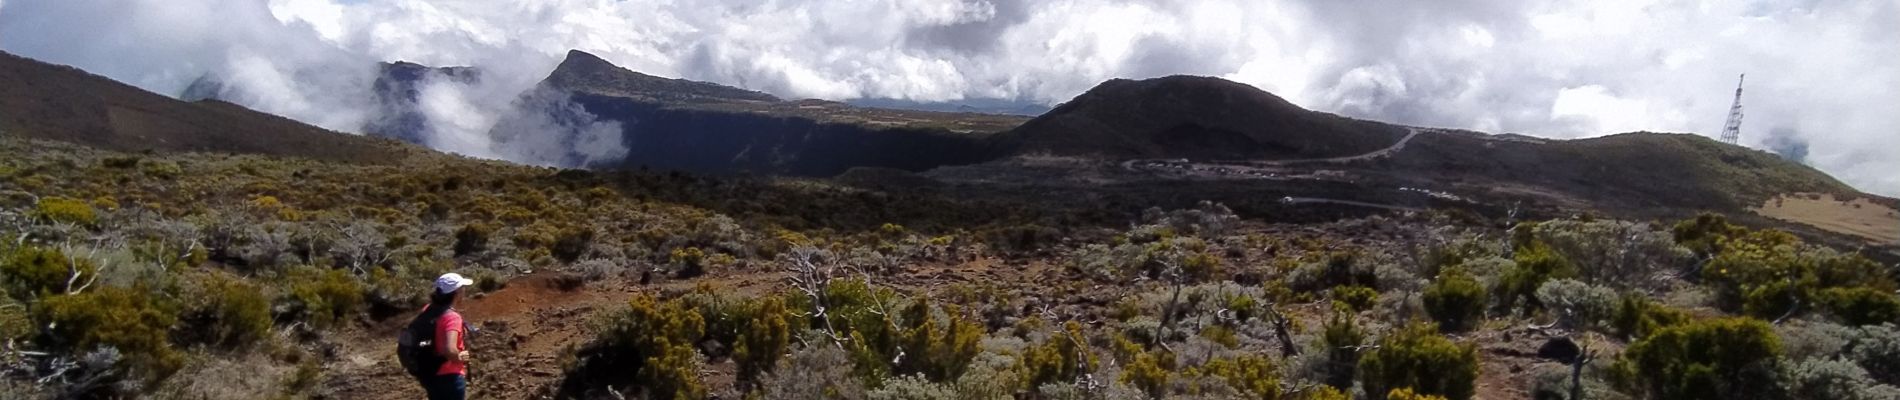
<point x="1636" y="316"/>
<point x="1705" y="234"/>
<point x="131" y="320"/>
<point x="38" y="271"/>
<point x="1221" y="335"/>
<point x="1536" y="263"/>
<point x="1408" y="394"/>
<point x="572" y="242"/>
<point x="64" y="210"/>
<point x="763" y="339"/>
<point x="1417" y="357"/>
<point x="1725" y="358"/>
<point x="1861" y="305"/>
<point x="646" y="346"/>
<point x="1253" y="375"/>
<point x="1341" y="336"/>
<point x="15" y="324"/>
<point x="1323" y="392"/>
<point x="324" y="296"/>
<point x="1146" y="373"/>
<point x="472" y="238"/>
<point x="1456" y="300"/>
<point x="688" y="261"/>
<point x="1359" y="298"/>
<point x="225" y="311"/>
<point x="939" y="351"/>
<point x="1770" y="273"/>
<point x="1060" y="358"/>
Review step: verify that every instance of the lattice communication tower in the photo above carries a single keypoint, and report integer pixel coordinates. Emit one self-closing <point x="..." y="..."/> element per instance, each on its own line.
<point x="1732" y="132"/>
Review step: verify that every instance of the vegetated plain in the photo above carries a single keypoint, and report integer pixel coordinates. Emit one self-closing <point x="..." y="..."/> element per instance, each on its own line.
<point x="1036" y="274"/>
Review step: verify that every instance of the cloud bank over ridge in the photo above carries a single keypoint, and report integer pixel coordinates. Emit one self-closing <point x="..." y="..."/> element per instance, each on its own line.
<point x="1818" y="69"/>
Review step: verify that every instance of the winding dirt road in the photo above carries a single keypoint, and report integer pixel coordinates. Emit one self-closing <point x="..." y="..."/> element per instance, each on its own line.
<point x="1400" y="145"/>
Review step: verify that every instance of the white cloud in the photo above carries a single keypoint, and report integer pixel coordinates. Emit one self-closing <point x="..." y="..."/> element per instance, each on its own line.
<point x="1553" y="68"/>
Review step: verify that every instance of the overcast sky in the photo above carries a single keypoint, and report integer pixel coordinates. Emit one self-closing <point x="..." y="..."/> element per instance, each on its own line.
<point x="1822" y="76"/>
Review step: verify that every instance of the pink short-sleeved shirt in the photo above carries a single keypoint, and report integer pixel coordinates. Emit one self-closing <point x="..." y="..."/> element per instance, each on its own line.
<point x="452" y="321"/>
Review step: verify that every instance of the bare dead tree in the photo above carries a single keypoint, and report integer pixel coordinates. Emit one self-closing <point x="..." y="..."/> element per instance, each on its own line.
<point x="1176" y="278"/>
<point x="1576" y="370"/>
<point x="811" y="278"/>
<point x="1510" y="224"/>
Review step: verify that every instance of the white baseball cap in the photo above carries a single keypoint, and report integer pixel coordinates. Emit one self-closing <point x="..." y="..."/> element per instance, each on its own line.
<point x="450" y="282"/>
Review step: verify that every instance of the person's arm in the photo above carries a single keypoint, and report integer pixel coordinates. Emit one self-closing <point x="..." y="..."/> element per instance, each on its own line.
<point x="450" y="345"/>
<point x="453" y="351"/>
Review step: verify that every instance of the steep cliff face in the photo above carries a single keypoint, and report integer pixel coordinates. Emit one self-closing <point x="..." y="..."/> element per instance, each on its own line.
<point x="398" y="96"/>
<point x="709" y="128"/>
<point x="721" y="142"/>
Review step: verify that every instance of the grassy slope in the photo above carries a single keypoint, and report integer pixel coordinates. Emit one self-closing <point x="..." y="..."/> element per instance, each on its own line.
<point x="57" y="102"/>
<point x="1631" y="171"/>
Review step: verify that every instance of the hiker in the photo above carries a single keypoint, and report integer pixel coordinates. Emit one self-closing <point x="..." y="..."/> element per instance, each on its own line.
<point x="434" y="348"/>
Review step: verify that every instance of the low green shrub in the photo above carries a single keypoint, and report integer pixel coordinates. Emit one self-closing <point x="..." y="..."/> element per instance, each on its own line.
<point x="1706" y="233"/>
<point x="687" y="262"/>
<point x="1359" y="298"/>
<point x="1637" y="317"/>
<point x="1724" y="358"/>
<point x="1861" y="305"/>
<point x="1145" y="372"/>
<point x="1417" y="357"/>
<point x="1455" y="300"/>
<point x="1877" y="349"/>
<point x="764" y="338"/>
<point x="64" y="210"/>
<point x="1060" y="358"/>
<point x="30" y="271"/>
<point x="1770" y="274"/>
<point x="1408" y="394"/>
<point x="1341" y="338"/>
<point x="646" y="347"/>
<point x="1578" y="305"/>
<point x="571" y="243"/>
<point x="323" y="296"/>
<point x="1834" y="380"/>
<point x="132" y="320"/>
<point x="225" y="311"/>
<point x="1253" y="375"/>
<point x="472" y="238"/>
<point x="940" y="351"/>
<point x="1536" y="264"/>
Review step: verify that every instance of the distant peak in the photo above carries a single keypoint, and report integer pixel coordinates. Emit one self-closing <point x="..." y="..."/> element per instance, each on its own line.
<point x="577" y="58"/>
<point x="585" y="72"/>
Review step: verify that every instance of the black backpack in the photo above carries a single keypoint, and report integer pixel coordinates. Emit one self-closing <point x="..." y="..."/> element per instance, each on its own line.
<point x="415" y="346"/>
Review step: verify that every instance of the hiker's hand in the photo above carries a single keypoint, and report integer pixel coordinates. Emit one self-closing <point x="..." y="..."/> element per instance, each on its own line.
<point x="461" y="356"/>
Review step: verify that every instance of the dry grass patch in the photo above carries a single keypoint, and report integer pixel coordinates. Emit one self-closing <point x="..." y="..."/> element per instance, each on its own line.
<point x="1858" y="217"/>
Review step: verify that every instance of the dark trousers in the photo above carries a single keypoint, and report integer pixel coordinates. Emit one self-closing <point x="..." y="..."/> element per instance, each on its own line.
<point x="446" y="387"/>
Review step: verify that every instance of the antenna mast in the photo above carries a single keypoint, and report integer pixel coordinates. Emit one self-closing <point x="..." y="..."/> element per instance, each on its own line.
<point x="1732" y="132"/>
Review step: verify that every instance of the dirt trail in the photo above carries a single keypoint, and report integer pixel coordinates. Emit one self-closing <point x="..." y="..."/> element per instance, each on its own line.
<point x="1130" y="165"/>
<point x="521" y="330"/>
<point x="524" y="327"/>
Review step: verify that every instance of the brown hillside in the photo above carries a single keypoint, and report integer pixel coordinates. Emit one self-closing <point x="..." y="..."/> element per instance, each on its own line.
<point x="1193" y="117"/>
<point x="48" y="101"/>
<point x="1635" y="171"/>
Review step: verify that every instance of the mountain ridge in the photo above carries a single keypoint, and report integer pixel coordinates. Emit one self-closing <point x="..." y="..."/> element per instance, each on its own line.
<point x="1198" y="117"/>
<point x="583" y="72"/>
<point x="58" y="102"/>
